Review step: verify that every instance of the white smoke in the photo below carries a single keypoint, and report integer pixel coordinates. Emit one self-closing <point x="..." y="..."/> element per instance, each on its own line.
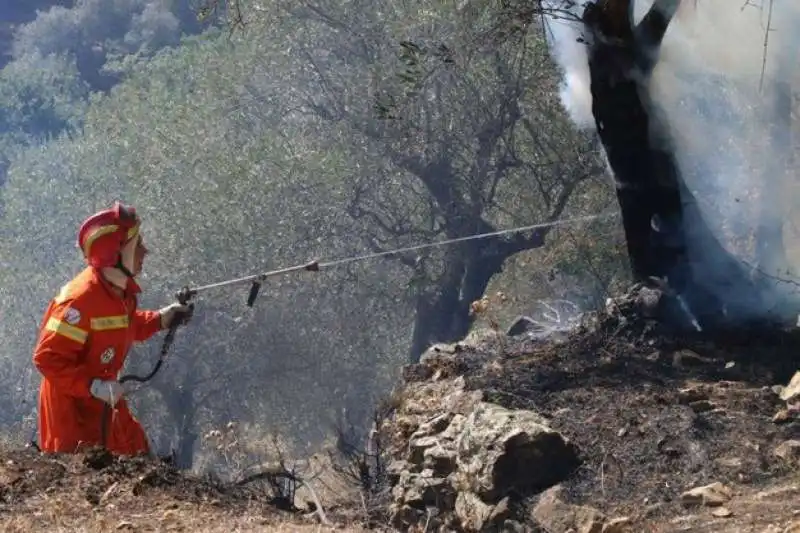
<point x="569" y="51"/>
<point x="715" y="82"/>
<point x="714" y="60"/>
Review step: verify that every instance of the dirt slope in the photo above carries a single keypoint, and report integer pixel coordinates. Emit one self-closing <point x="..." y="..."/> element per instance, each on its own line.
<point x="90" y="493"/>
<point x="652" y="415"/>
<point x="659" y="415"/>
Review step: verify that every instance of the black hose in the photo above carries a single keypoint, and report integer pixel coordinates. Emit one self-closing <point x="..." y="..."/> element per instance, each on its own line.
<point x="165" y="346"/>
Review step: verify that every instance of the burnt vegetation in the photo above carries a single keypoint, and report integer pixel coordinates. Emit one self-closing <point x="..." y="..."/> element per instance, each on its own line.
<point x="339" y="130"/>
<point x="652" y="414"/>
<point x="666" y="234"/>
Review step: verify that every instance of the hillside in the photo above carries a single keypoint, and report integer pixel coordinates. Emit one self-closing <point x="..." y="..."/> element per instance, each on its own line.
<point x="615" y="426"/>
<point x="94" y="492"/>
<point x="14" y="14"/>
<point x="623" y="421"/>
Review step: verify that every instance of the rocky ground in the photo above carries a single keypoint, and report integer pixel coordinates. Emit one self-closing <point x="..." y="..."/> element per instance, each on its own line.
<point x="94" y="493"/>
<point x="617" y="426"/>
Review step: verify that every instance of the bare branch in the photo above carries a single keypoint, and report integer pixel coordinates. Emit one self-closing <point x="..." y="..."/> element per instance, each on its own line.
<point x="651" y="29"/>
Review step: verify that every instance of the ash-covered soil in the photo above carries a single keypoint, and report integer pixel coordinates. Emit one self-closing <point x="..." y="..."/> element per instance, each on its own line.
<point x="653" y="413"/>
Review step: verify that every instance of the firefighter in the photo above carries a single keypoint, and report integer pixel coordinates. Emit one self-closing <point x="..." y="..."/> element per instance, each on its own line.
<point x="85" y="336"/>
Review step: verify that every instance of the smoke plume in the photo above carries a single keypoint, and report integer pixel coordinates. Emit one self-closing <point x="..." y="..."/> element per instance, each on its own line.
<point x="724" y="83"/>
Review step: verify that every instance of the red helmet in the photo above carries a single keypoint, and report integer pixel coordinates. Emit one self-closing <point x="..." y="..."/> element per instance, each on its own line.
<point x="102" y="235"/>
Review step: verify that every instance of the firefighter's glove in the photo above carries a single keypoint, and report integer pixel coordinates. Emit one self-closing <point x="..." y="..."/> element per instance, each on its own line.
<point x="108" y="391"/>
<point x="175" y="312"/>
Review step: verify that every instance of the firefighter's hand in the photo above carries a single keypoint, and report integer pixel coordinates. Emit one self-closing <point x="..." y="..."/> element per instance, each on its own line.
<point x="171" y="313"/>
<point x="108" y="391"/>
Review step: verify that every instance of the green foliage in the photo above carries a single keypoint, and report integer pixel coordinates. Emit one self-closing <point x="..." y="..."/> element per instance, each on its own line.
<point x="222" y="195"/>
<point x="261" y="150"/>
<point x="464" y="133"/>
<point x="94" y="27"/>
<point x="41" y="95"/>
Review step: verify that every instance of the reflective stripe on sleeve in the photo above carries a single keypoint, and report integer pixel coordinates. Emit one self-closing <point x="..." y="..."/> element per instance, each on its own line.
<point x="70" y="332"/>
<point x="102" y="323"/>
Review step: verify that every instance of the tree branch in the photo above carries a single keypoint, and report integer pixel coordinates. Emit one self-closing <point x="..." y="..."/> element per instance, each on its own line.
<point x="651" y="30"/>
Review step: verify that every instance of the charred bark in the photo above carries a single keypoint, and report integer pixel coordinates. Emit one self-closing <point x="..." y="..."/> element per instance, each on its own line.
<point x="667" y="237"/>
<point x="442" y="315"/>
<point x="436" y="319"/>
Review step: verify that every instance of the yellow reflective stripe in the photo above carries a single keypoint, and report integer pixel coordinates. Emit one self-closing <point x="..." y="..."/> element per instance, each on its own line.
<point x="70" y="332"/>
<point x="97" y="233"/>
<point x="102" y="323"/>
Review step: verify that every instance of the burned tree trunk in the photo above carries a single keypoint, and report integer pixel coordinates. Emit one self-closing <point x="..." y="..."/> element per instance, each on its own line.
<point x="443" y="307"/>
<point x="667" y="238"/>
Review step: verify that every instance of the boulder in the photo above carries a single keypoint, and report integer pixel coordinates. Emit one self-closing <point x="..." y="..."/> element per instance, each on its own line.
<point x="502" y="449"/>
<point x="462" y="467"/>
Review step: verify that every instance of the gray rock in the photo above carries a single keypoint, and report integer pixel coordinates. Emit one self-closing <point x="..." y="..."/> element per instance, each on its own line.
<point x="460" y="466"/>
<point x="789" y="451"/>
<point x="712" y="495"/>
<point x="500" y="450"/>
<point x="440" y="459"/>
<point x="553" y="514"/>
<point x="418" y="446"/>
<point x="454" y="429"/>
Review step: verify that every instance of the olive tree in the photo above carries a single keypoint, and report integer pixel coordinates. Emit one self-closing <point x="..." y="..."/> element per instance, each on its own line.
<point x="448" y="137"/>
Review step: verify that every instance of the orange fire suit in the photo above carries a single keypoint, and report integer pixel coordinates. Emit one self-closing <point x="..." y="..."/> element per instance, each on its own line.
<point x="85" y="334"/>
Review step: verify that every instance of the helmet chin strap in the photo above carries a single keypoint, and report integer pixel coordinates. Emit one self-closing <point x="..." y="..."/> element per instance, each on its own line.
<point x="121" y="264"/>
<point x="113" y="275"/>
<point x="123" y="268"/>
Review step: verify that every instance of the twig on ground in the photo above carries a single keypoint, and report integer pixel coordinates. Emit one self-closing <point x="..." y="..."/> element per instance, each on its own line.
<point x="323" y="518"/>
<point x="427" y="522"/>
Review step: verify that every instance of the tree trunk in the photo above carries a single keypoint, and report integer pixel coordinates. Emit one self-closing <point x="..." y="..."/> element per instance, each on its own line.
<point x="438" y="308"/>
<point x="187" y="441"/>
<point x="666" y="234"/>
<point x="443" y="314"/>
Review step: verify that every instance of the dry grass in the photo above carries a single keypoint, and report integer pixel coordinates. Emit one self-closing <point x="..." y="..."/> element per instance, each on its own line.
<point x="194" y="520"/>
<point x="69" y="510"/>
<point x="772" y="510"/>
<point x="52" y="493"/>
<point x="55" y="515"/>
